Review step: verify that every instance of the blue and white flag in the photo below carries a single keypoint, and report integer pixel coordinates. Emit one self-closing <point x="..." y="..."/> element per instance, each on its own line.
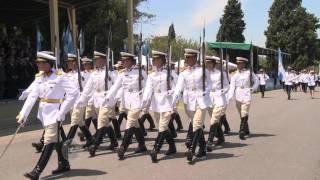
<point x="281" y="71"/>
<point x="39" y="39"/>
<point x="82" y="43"/>
<point x="67" y="42"/>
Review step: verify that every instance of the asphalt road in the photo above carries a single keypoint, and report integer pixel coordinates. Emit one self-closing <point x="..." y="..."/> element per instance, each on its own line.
<point x="284" y="144"/>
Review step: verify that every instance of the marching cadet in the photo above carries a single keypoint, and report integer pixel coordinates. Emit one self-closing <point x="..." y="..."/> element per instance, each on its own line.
<point x="175" y="115"/>
<point x="241" y="87"/>
<point x="96" y="87"/>
<point x="296" y="82"/>
<point x="122" y="111"/>
<point x="77" y="113"/>
<point x="90" y="113"/>
<point x="312" y="78"/>
<point x="157" y="94"/>
<point x="289" y="78"/>
<point x="37" y="145"/>
<point x="196" y="98"/>
<point x="218" y="98"/>
<point x="131" y="83"/>
<point x="56" y="95"/>
<point x="263" y="77"/>
<point x="223" y="118"/>
<point x="303" y="80"/>
<point x="145" y="115"/>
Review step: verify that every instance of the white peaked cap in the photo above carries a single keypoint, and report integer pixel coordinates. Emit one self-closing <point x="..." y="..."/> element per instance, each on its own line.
<point x="241" y="59"/>
<point x="44" y="57"/>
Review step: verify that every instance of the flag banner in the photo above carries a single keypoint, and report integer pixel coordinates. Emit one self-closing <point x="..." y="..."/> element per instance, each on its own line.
<point x="281" y="71"/>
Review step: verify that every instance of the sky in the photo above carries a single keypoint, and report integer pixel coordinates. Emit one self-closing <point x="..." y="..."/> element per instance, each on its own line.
<point x="189" y="17"/>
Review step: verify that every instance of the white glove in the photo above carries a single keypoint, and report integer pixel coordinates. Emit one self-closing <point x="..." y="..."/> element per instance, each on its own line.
<point x="79" y="103"/>
<point x="105" y="102"/>
<point x="170" y="92"/>
<point x="144" y="104"/>
<point x="60" y="117"/>
<point x="23" y="96"/>
<point x="174" y="100"/>
<point x="21" y="119"/>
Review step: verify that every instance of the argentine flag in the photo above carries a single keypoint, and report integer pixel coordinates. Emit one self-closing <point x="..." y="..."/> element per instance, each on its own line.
<point x="281" y="71"/>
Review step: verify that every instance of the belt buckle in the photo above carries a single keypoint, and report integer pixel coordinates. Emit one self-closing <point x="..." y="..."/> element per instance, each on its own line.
<point x="242" y="87"/>
<point x="158" y="91"/>
<point x="193" y="88"/>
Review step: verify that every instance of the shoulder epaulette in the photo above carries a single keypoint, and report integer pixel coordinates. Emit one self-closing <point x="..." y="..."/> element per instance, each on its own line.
<point x="39" y="74"/>
<point x="59" y="72"/>
<point x="121" y="71"/>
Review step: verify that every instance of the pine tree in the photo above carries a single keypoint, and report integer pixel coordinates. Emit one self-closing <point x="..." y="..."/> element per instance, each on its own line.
<point x="232" y="23"/>
<point x="293" y="29"/>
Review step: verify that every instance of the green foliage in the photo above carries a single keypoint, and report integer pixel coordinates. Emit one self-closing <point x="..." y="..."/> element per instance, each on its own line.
<point x="95" y="21"/>
<point x="232" y="23"/>
<point x="293" y="29"/>
<point x="161" y="43"/>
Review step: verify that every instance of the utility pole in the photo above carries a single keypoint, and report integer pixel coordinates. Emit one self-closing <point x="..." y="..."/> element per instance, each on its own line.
<point x="130" y="26"/>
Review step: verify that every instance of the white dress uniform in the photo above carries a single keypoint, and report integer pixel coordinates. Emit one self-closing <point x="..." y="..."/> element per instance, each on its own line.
<point x="290" y="77"/>
<point x="54" y="104"/>
<point x="95" y="88"/>
<point x="263" y="77"/>
<point x="156" y="91"/>
<point x="56" y="95"/>
<point x="218" y="96"/>
<point x="131" y="97"/>
<point x="77" y="113"/>
<point x="240" y="88"/>
<point x="90" y="109"/>
<point x="196" y="101"/>
<point x="312" y="78"/>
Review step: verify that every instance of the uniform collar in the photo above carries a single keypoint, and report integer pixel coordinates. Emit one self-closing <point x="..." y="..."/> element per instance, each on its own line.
<point x="192" y="67"/>
<point x="160" y="69"/>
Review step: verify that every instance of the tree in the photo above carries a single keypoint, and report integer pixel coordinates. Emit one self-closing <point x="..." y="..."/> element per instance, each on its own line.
<point x="292" y="29"/>
<point x="161" y="43"/>
<point x="232" y="23"/>
<point x="95" y="21"/>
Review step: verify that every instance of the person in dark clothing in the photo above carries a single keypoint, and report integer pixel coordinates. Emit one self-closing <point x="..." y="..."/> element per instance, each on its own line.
<point x="12" y="77"/>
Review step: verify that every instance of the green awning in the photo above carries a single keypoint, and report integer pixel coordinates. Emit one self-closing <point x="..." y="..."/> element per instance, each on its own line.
<point x="229" y="45"/>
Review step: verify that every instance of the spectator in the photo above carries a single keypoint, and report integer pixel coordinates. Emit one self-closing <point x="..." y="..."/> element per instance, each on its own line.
<point x="12" y="77"/>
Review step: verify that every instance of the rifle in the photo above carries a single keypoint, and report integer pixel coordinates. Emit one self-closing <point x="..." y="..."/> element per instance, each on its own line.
<point x="203" y="61"/>
<point x="139" y="61"/>
<point x="171" y="36"/>
<point x="227" y="65"/>
<point x="94" y="48"/>
<point x="106" y="77"/>
<point x="251" y="66"/>
<point x="79" y="69"/>
<point x="56" y="52"/>
<point x="221" y="66"/>
<point x="147" y="59"/>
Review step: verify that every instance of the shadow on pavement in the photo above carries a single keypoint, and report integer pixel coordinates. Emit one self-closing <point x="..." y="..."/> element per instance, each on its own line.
<point x="75" y="173"/>
<point x="211" y="156"/>
<point x="173" y="156"/>
<point x="256" y="135"/>
<point x="230" y="145"/>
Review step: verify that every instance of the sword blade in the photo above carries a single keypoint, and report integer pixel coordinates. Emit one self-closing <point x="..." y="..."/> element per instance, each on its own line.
<point x="11" y="140"/>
